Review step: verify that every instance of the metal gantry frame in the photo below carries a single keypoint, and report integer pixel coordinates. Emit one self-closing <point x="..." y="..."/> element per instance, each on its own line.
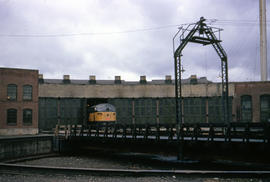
<point x="203" y="34"/>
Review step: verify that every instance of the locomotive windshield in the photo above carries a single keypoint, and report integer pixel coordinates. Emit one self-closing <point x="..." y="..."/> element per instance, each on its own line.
<point x="104" y="108"/>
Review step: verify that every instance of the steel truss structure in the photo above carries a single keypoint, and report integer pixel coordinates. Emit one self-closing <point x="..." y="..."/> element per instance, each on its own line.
<point x="202" y="34"/>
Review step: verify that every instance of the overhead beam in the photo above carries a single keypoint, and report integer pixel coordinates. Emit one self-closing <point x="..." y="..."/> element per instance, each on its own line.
<point x="202" y="40"/>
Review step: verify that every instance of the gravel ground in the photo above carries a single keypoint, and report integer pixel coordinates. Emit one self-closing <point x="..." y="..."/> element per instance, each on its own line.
<point x="85" y="162"/>
<point x="136" y="161"/>
<point x="104" y="161"/>
<point x="81" y="178"/>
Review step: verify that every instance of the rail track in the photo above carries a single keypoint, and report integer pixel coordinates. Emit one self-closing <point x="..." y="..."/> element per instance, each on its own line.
<point x="34" y="169"/>
<point x="10" y="167"/>
<point x="27" y="158"/>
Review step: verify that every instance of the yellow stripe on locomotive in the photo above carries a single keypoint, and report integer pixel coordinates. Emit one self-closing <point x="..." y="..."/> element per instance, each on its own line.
<point x="102" y="113"/>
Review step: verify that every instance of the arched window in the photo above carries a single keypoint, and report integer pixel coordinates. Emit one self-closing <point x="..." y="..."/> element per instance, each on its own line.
<point x="27" y="92"/>
<point x="246" y="108"/>
<point x="265" y="108"/>
<point x="27" y="116"/>
<point x="12" y="92"/>
<point x="12" y="116"/>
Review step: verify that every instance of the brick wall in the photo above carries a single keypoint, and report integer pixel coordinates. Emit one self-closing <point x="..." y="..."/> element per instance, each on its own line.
<point x="19" y="77"/>
<point x="255" y="90"/>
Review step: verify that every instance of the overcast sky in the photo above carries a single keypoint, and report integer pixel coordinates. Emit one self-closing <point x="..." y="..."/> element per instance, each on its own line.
<point x="127" y="37"/>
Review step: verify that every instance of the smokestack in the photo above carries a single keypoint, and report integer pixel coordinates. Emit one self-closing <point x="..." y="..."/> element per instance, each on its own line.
<point x="263" y="41"/>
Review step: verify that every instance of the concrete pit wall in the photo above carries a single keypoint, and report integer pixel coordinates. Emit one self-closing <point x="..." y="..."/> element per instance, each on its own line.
<point x="18" y="131"/>
<point x="16" y="147"/>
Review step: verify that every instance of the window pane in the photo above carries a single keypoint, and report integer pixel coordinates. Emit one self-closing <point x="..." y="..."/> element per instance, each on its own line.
<point x="27" y="92"/>
<point x="27" y="116"/>
<point x="12" y="92"/>
<point x="246" y="108"/>
<point x="11" y="116"/>
<point x="265" y="108"/>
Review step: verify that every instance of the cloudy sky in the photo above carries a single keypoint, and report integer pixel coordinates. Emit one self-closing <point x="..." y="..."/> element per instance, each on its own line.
<point x="127" y="37"/>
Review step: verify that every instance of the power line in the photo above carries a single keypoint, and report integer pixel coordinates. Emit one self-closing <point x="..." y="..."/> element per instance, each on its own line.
<point x="91" y="33"/>
<point x="212" y="21"/>
<point x="238" y="22"/>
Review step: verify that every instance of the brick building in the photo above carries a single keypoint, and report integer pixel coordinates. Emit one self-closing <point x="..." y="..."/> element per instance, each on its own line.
<point x="29" y="103"/>
<point x="18" y="101"/>
<point x="252" y="101"/>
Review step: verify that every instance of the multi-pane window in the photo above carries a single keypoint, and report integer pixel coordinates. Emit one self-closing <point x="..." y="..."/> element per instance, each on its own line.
<point x="12" y="92"/>
<point x="12" y="116"/>
<point x="27" y="116"/>
<point x="265" y="108"/>
<point x="27" y="92"/>
<point x="246" y="108"/>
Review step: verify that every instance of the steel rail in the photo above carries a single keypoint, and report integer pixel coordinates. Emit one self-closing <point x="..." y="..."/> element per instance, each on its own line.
<point x="28" y="158"/>
<point x="26" y="169"/>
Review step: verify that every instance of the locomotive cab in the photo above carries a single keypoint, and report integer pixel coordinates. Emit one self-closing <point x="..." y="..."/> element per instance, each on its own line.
<point x="102" y="113"/>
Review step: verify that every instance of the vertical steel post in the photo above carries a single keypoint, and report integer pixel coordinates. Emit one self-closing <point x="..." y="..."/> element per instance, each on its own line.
<point x="133" y="111"/>
<point x="58" y="111"/>
<point x="84" y="112"/>
<point x="157" y="112"/>
<point x="178" y="102"/>
<point x="180" y="122"/>
<point x="176" y="91"/>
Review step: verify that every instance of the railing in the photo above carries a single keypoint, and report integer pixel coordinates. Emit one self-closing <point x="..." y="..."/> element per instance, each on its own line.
<point x="232" y="132"/>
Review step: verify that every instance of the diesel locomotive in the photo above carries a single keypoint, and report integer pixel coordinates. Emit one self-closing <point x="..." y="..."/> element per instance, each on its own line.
<point x="102" y="113"/>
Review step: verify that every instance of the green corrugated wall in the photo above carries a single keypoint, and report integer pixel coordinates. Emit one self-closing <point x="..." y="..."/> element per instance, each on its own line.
<point x="71" y="111"/>
<point x="145" y="111"/>
<point x="194" y="110"/>
<point x="215" y="109"/>
<point x="167" y="110"/>
<point x="47" y="113"/>
<point x="123" y="110"/>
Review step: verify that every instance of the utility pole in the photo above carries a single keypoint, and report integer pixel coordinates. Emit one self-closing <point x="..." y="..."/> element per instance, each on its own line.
<point x="263" y="41"/>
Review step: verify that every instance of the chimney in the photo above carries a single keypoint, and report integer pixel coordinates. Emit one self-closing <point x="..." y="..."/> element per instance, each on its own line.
<point x="168" y="79"/>
<point x="92" y="79"/>
<point x="143" y="80"/>
<point x="40" y="78"/>
<point x="193" y="79"/>
<point x="66" y="79"/>
<point x="117" y="79"/>
<point x="263" y="40"/>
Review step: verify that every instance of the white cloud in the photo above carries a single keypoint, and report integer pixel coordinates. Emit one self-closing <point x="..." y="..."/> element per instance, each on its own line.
<point x="127" y="54"/>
